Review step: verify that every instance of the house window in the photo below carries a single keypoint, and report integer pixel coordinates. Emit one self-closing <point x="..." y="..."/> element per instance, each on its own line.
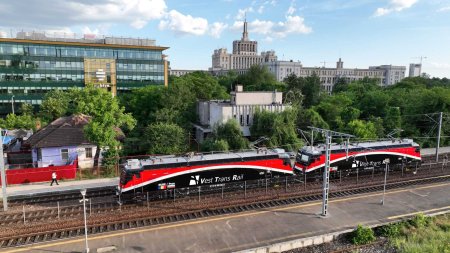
<point x="64" y="154"/>
<point x="88" y="152"/>
<point x="39" y="154"/>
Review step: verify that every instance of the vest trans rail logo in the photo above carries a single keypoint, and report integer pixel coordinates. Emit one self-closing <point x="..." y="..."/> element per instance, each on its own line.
<point x="194" y="180"/>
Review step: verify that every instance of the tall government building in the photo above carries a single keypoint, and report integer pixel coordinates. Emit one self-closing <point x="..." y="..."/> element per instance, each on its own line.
<point x="31" y="64"/>
<point x="245" y="54"/>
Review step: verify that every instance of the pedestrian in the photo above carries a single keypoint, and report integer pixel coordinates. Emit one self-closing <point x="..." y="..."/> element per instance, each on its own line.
<point x="54" y="179"/>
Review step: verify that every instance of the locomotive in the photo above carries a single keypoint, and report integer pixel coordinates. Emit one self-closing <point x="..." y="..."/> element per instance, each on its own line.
<point x="170" y="172"/>
<point x="357" y="156"/>
<point x="162" y="173"/>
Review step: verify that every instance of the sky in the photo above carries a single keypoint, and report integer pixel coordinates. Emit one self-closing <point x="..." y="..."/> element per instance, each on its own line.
<point x="316" y="32"/>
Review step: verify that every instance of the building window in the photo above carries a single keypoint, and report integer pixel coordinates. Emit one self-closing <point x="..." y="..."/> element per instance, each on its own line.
<point x="88" y="152"/>
<point x="65" y="154"/>
<point x="248" y="119"/>
<point x="242" y="119"/>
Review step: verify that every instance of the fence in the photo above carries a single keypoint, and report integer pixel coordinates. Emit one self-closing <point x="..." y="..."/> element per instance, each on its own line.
<point x="33" y="175"/>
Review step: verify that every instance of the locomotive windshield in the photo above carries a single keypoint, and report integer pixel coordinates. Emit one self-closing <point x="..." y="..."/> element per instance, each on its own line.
<point x="303" y="158"/>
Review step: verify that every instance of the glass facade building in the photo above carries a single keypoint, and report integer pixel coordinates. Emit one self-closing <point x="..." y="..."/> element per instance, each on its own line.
<point x="31" y="67"/>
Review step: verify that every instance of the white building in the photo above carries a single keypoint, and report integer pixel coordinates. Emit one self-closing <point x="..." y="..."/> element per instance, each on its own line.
<point x="415" y="69"/>
<point x="241" y="107"/>
<point x="282" y="69"/>
<point x="391" y="75"/>
<point x="245" y="54"/>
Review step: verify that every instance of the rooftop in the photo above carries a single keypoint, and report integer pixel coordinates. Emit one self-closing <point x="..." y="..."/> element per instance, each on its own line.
<point x="191" y="157"/>
<point x="80" y="39"/>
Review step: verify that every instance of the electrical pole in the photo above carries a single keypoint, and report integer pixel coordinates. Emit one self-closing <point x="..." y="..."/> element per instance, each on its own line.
<point x="3" y="175"/>
<point x="326" y="171"/>
<point x="439" y="137"/>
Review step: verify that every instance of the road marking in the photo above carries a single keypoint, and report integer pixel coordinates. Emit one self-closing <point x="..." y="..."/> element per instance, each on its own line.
<point x="205" y="220"/>
<point x="424" y="211"/>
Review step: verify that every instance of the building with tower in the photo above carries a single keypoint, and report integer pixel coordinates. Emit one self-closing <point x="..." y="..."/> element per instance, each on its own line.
<point x="244" y="55"/>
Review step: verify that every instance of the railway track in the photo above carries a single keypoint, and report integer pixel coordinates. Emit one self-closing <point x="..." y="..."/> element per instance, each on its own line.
<point x="140" y="216"/>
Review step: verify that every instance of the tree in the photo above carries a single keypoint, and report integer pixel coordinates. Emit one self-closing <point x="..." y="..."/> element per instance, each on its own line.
<point x="311" y="90"/>
<point x="232" y="134"/>
<point x="310" y="117"/>
<point x="393" y="119"/>
<point x="13" y="121"/>
<point x="362" y="129"/>
<point x="211" y="144"/>
<point x="279" y="127"/>
<point x="165" y="138"/>
<point x="55" y="104"/>
<point x="26" y="109"/>
<point x="228" y="80"/>
<point x="259" y="78"/>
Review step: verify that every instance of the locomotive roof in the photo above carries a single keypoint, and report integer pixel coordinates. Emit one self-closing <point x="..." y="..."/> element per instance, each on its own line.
<point x="161" y="161"/>
<point x="372" y="145"/>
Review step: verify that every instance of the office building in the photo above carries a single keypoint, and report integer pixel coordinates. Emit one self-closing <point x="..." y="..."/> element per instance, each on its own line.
<point x="33" y="63"/>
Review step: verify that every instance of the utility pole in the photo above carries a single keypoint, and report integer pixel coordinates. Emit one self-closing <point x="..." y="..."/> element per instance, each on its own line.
<point x="326" y="171"/>
<point x="3" y="174"/>
<point x="439" y="137"/>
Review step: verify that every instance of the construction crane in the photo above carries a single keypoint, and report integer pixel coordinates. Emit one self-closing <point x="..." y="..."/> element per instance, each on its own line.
<point x="421" y="59"/>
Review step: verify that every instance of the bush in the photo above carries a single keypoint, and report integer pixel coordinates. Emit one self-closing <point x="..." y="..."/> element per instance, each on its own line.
<point x="391" y="230"/>
<point x="420" y="220"/>
<point x="362" y="235"/>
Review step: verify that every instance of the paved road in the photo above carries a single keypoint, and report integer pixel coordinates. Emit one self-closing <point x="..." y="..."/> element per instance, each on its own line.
<point x="265" y="227"/>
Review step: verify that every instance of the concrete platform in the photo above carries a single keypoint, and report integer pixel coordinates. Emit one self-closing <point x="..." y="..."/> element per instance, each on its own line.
<point x="44" y="188"/>
<point x="264" y="227"/>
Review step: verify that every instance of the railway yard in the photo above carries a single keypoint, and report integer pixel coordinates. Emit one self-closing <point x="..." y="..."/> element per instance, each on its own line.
<point x="56" y="219"/>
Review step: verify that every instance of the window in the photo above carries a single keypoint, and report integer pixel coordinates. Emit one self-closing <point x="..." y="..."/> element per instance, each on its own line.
<point x="64" y="154"/>
<point x="39" y="154"/>
<point x="88" y="152"/>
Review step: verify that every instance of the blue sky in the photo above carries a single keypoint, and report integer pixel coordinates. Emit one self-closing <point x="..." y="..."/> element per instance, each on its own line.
<point x="361" y="32"/>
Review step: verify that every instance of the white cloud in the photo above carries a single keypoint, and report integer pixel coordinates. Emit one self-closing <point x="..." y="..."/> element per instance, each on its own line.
<point x="439" y="65"/>
<point x="394" y="5"/>
<point x="261" y="9"/>
<point x="184" y="24"/>
<point x="216" y="29"/>
<point x="242" y="12"/>
<point x="88" y="30"/>
<point x="291" y="10"/>
<point x="3" y="34"/>
<point x="444" y="9"/>
<point x="292" y="25"/>
<point x="137" y="12"/>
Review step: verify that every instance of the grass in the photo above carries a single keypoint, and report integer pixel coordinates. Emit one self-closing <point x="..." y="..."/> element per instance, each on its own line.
<point x="421" y="234"/>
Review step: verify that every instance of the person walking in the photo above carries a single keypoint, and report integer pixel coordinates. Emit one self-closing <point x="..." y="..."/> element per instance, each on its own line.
<point x="54" y="180"/>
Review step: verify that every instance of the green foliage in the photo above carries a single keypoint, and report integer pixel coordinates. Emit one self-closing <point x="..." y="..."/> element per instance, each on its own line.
<point x="362" y="129"/>
<point x="232" y="134"/>
<point x="55" y="104"/>
<point x="165" y="138"/>
<point x="311" y="117"/>
<point x="426" y="235"/>
<point x="211" y="144"/>
<point x="362" y="235"/>
<point x="420" y="220"/>
<point x="280" y="128"/>
<point x="13" y="121"/>
<point x="26" y="109"/>
<point x="259" y="78"/>
<point x="312" y="90"/>
<point x="392" y="230"/>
